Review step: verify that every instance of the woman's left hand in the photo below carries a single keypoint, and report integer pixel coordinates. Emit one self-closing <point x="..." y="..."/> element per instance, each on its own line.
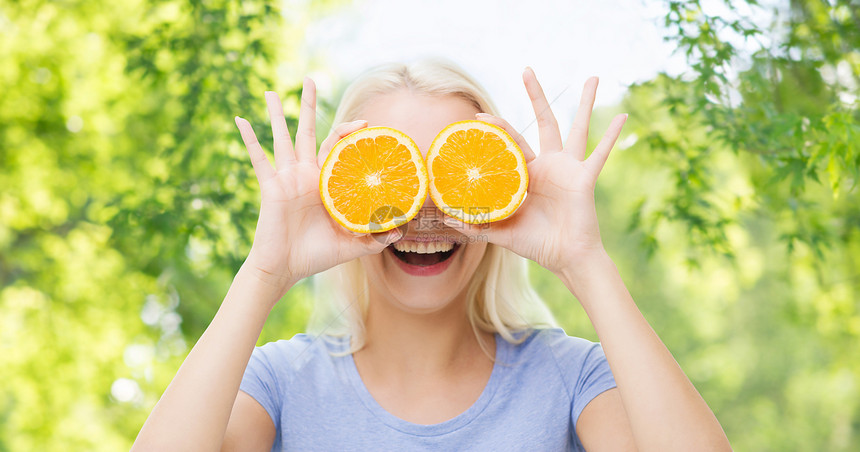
<point x="556" y="226"/>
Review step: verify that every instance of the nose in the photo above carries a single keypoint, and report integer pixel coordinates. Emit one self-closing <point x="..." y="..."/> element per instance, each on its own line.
<point x="429" y="217"/>
<point x="428" y="203"/>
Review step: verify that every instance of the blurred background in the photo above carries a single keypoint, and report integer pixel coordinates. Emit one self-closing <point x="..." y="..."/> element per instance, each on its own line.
<point x="730" y="204"/>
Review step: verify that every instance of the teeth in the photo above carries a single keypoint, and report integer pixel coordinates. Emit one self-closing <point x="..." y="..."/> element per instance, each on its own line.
<point x="423" y="247"/>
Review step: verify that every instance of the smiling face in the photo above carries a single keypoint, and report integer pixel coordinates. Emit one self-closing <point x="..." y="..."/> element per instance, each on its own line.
<point x="429" y="268"/>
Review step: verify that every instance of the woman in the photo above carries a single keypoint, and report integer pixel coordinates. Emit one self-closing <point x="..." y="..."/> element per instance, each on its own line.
<point x="450" y="360"/>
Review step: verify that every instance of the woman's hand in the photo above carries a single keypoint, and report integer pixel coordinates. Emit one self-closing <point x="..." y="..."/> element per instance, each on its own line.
<point x="295" y="235"/>
<point x="556" y="226"/>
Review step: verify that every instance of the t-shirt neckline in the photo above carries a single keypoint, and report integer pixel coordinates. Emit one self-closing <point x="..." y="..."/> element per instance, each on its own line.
<point x="441" y="428"/>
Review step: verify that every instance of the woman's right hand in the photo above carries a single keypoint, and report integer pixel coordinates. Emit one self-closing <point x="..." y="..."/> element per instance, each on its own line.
<point x="295" y="236"/>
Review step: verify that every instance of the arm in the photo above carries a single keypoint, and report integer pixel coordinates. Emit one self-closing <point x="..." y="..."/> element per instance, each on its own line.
<point x="655" y="405"/>
<point x="250" y="427"/>
<point x="603" y="425"/>
<point x="664" y="410"/>
<point x="194" y="410"/>
<point x="295" y="238"/>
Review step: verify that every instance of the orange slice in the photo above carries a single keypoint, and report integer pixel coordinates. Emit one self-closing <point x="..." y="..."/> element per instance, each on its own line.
<point x="373" y="180"/>
<point x="477" y="172"/>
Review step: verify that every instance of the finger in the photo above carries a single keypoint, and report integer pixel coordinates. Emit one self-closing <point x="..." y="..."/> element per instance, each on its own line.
<point x="577" y="140"/>
<point x="262" y="168"/>
<point x="339" y="132"/>
<point x="598" y="158"/>
<point x="369" y="243"/>
<point x="283" y="143"/>
<point x="376" y="242"/>
<point x="550" y="136"/>
<point x="306" y="135"/>
<point x="518" y="138"/>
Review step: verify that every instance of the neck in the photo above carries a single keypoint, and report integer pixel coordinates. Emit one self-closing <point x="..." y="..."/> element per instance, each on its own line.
<point x="406" y="343"/>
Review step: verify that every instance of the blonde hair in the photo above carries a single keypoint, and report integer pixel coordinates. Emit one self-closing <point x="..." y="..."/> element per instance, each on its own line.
<point x="500" y="296"/>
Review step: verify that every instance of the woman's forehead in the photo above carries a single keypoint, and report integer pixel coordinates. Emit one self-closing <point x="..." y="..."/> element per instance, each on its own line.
<point x="417" y="115"/>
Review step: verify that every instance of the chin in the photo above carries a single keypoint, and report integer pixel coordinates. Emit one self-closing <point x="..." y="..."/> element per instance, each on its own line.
<point x="421" y="302"/>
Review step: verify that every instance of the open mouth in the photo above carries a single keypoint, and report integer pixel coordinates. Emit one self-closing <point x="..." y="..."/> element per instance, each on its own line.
<point x="423" y="254"/>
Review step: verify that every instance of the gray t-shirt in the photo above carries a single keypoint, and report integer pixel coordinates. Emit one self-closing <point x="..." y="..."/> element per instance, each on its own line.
<point x="532" y="401"/>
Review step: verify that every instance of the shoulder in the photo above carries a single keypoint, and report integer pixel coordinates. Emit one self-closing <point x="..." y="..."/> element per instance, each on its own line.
<point x="555" y="342"/>
<point x="289" y="356"/>
<point x="573" y="358"/>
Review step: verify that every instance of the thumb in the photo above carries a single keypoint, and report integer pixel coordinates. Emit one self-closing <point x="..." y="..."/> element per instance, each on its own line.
<point x="393" y="236"/>
<point x="376" y="242"/>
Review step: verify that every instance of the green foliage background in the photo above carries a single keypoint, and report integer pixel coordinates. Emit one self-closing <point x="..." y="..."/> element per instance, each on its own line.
<point x="127" y="203"/>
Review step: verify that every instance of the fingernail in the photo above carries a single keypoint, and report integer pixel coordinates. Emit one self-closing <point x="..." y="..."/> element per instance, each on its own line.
<point x="483" y="116"/>
<point x="395" y="235"/>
